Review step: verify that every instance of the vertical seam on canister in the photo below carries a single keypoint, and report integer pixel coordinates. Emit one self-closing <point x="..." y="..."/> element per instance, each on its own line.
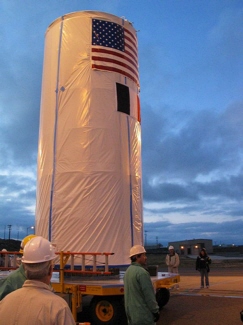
<point x="55" y="132"/>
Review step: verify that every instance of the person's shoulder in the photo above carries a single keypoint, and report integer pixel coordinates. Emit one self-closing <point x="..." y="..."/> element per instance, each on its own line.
<point x="54" y="298"/>
<point x="15" y="295"/>
<point x="143" y="272"/>
<point x="130" y="267"/>
<point x="17" y="273"/>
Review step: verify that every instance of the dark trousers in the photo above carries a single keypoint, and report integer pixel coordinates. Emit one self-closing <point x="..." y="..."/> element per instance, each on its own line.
<point x="204" y="274"/>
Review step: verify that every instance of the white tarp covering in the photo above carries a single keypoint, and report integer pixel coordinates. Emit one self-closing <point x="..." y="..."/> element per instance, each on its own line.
<point x="89" y="192"/>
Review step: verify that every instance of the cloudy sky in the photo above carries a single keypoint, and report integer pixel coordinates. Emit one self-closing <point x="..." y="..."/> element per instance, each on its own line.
<point x="191" y="75"/>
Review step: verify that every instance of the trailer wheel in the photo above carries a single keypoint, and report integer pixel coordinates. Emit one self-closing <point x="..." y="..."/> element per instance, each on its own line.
<point x="107" y="310"/>
<point x="162" y="297"/>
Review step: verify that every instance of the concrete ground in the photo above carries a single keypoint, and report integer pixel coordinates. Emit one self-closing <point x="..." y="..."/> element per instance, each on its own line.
<point x="201" y="310"/>
<point x="219" y="285"/>
<point x="220" y="304"/>
<point x="224" y="278"/>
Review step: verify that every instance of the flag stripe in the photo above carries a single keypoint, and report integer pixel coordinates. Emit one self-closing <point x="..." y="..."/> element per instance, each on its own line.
<point x="117" y="54"/>
<point x="124" y="65"/>
<point x="135" y="59"/>
<point x="132" y="47"/>
<point x="113" y="69"/>
<point x="131" y="34"/>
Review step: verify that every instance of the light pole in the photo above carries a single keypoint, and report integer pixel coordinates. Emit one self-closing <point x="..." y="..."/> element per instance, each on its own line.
<point x="146" y="237"/>
<point x="30" y="227"/>
<point x="17" y="232"/>
<point x="9" y="231"/>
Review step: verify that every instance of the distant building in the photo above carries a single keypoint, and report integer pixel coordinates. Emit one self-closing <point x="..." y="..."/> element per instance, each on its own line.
<point x="192" y="246"/>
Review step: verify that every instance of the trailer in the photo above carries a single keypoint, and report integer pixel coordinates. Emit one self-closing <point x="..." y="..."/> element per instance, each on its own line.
<point x="99" y="284"/>
<point x="104" y="285"/>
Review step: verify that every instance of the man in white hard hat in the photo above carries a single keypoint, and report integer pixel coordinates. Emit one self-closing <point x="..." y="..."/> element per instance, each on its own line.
<point x="140" y="302"/>
<point x="3" y="257"/>
<point x="172" y="260"/>
<point x="35" y="303"/>
<point x="15" y="279"/>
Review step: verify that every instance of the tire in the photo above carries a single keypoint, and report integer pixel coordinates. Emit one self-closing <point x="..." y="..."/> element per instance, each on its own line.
<point x="107" y="310"/>
<point x="162" y="297"/>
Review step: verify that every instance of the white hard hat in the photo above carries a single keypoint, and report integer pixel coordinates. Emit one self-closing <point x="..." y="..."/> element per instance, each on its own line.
<point x="137" y="249"/>
<point x="4" y="250"/>
<point x="171" y="247"/>
<point x="38" y="250"/>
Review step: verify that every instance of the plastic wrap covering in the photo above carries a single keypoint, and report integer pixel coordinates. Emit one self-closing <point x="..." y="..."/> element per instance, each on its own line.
<point x="89" y="194"/>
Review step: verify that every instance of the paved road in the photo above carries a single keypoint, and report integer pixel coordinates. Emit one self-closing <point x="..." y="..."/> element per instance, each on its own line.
<point x="201" y="310"/>
<point x="219" y="305"/>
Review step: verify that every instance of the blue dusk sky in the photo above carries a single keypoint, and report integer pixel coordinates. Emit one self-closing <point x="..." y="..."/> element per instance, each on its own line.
<point x="191" y="77"/>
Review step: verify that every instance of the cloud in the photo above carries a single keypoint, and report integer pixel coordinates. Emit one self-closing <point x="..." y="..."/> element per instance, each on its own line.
<point x="164" y="232"/>
<point x="226" y="35"/>
<point x="19" y="108"/>
<point x="193" y="171"/>
<point x="17" y="200"/>
<point x="203" y="143"/>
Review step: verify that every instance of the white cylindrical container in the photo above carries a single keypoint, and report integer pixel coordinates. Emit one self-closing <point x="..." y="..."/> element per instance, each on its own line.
<point x="89" y="189"/>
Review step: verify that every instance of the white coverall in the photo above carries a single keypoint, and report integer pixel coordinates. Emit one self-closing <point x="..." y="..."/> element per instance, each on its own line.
<point x="172" y="261"/>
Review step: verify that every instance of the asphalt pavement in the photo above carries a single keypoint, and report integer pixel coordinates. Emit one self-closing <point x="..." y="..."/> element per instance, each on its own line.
<point x="201" y="310"/>
<point x="220" y="304"/>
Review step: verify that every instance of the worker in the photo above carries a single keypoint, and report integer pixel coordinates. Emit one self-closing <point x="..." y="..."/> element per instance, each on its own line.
<point x="140" y="303"/>
<point x="35" y="302"/>
<point x="3" y="258"/>
<point x="202" y="265"/>
<point x="172" y="260"/>
<point x="15" y="279"/>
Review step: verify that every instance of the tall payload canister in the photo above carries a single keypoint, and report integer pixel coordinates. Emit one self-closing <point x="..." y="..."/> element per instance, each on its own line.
<point x="89" y="184"/>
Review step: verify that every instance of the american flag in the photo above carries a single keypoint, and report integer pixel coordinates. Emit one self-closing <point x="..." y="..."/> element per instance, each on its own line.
<point x="114" y="48"/>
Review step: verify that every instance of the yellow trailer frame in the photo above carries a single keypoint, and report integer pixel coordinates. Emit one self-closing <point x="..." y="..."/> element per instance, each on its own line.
<point x="106" y="288"/>
<point x="103" y="284"/>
